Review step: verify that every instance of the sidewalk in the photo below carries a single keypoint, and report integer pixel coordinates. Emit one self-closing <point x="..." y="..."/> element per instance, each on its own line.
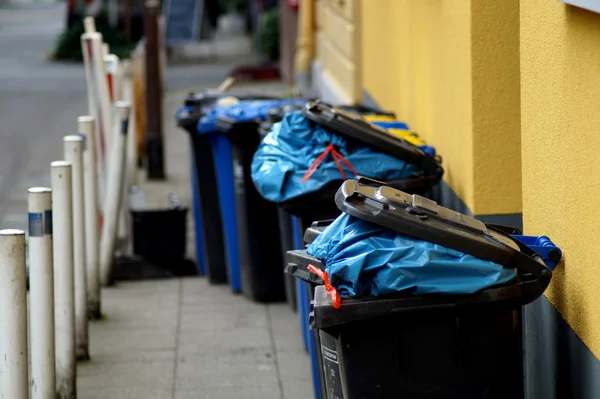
<point x="183" y="338"/>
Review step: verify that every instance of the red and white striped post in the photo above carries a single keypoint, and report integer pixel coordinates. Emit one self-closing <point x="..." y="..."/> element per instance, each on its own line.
<point x="41" y="293"/>
<point x="114" y="189"/>
<point x="99" y="103"/>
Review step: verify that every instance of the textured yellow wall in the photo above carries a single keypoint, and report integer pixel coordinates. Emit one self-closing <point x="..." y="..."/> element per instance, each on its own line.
<point x="451" y="70"/>
<point x="560" y="92"/>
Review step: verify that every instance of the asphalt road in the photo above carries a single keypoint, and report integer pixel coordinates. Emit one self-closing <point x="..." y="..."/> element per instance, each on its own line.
<point x="40" y="100"/>
<point x="39" y="103"/>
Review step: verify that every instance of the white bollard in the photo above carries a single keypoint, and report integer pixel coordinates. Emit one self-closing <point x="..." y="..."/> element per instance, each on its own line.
<point x="92" y="232"/>
<point x="64" y="290"/>
<point x="73" y="149"/>
<point x="114" y="189"/>
<point x="99" y="104"/>
<point x="41" y="293"/>
<point x="14" y="377"/>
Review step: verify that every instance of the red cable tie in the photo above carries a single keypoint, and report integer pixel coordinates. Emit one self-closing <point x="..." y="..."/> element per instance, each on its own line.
<point x="335" y="296"/>
<point x="337" y="157"/>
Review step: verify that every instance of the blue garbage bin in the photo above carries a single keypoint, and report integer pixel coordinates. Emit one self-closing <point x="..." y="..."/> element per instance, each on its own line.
<point x="210" y="250"/>
<point x="252" y="266"/>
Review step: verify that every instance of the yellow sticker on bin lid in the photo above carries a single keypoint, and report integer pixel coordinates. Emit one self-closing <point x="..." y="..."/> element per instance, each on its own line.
<point x="379" y="118"/>
<point x="406" y="135"/>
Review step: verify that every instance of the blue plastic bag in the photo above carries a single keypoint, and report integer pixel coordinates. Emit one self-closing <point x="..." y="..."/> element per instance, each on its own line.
<point x="292" y="146"/>
<point x="365" y="259"/>
<point x="243" y="111"/>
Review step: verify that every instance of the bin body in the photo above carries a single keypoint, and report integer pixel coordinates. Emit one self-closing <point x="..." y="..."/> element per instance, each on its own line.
<point x="210" y="210"/>
<point x="197" y="215"/>
<point x="222" y="154"/>
<point x="258" y="225"/>
<point x="287" y="244"/>
<point x="467" y="354"/>
<point x="206" y="210"/>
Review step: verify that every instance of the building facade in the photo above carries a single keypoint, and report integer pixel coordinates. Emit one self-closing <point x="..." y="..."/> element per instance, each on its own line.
<point x="507" y="91"/>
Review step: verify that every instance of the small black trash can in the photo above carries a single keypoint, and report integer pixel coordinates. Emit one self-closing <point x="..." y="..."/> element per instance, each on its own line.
<point x="159" y="238"/>
<point x="195" y="106"/>
<point x="426" y="346"/>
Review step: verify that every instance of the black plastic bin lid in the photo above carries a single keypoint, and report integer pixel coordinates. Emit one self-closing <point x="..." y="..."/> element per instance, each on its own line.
<point x="208" y="98"/>
<point x="353" y="126"/>
<point x="366" y="110"/>
<point x="421" y="218"/>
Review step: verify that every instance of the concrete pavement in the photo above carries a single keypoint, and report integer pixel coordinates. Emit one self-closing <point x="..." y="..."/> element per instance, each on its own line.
<point x="185" y="339"/>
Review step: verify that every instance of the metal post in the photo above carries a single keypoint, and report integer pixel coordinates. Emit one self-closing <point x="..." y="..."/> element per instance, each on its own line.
<point x="64" y="296"/>
<point x="41" y="293"/>
<point x="114" y="189"/>
<point x="154" y="140"/>
<point x="73" y="151"/>
<point x="14" y="377"/>
<point x="87" y="130"/>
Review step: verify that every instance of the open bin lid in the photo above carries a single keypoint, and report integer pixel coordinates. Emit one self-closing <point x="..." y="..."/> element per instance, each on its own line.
<point x="421" y="218"/>
<point x="353" y="126"/>
<point x="362" y="109"/>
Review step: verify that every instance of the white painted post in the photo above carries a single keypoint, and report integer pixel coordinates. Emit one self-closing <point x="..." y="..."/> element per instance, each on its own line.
<point x="14" y="377"/>
<point x="41" y="293"/>
<point x="64" y="290"/>
<point x="114" y="76"/>
<point x="114" y="189"/>
<point x="73" y="152"/>
<point x="99" y="104"/>
<point x="92" y="232"/>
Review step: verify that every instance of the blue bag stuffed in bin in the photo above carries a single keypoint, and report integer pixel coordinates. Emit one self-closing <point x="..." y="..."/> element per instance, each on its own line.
<point x="365" y="259"/>
<point x="243" y="111"/>
<point x="292" y="147"/>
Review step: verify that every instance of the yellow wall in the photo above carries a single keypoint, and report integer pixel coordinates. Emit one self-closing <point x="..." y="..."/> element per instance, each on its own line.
<point x="338" y="50"/>
<point x="451" y="70"/>
<point x="560" y="92"/>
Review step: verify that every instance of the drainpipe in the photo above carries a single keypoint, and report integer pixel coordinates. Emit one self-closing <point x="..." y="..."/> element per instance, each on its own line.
<point x="304" y="45"/>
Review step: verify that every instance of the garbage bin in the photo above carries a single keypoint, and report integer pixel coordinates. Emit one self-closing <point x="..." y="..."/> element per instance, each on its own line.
<point x="285" y="220"/>
<point x="257" y="219"/>
<point x="210" y="252"/>
<point x="319" y="205"/>
<point x="418" y="345"/>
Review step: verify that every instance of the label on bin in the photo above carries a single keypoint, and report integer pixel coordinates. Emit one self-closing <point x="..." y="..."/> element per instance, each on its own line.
<point x="331" y="367"/>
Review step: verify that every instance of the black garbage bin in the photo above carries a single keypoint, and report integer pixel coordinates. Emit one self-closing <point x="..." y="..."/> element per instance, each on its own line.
<point x="425" y="346"/>
<point x="257" y="219"/>
<point x="284" y="219"/>
<point x="194" y="107"/>
<point x="320" y="205"/>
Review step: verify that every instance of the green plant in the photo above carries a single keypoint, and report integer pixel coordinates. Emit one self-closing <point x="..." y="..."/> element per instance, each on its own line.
<point x="68" y="45"/>
<point x="268" y="33"/>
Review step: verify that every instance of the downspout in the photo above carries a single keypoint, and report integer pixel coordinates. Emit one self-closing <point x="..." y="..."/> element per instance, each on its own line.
<point x="304" y="45"/>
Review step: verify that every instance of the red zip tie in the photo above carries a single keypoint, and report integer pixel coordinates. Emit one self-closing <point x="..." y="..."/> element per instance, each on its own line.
<point x="337" y="158"/>
<point x="335" y="296"/>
